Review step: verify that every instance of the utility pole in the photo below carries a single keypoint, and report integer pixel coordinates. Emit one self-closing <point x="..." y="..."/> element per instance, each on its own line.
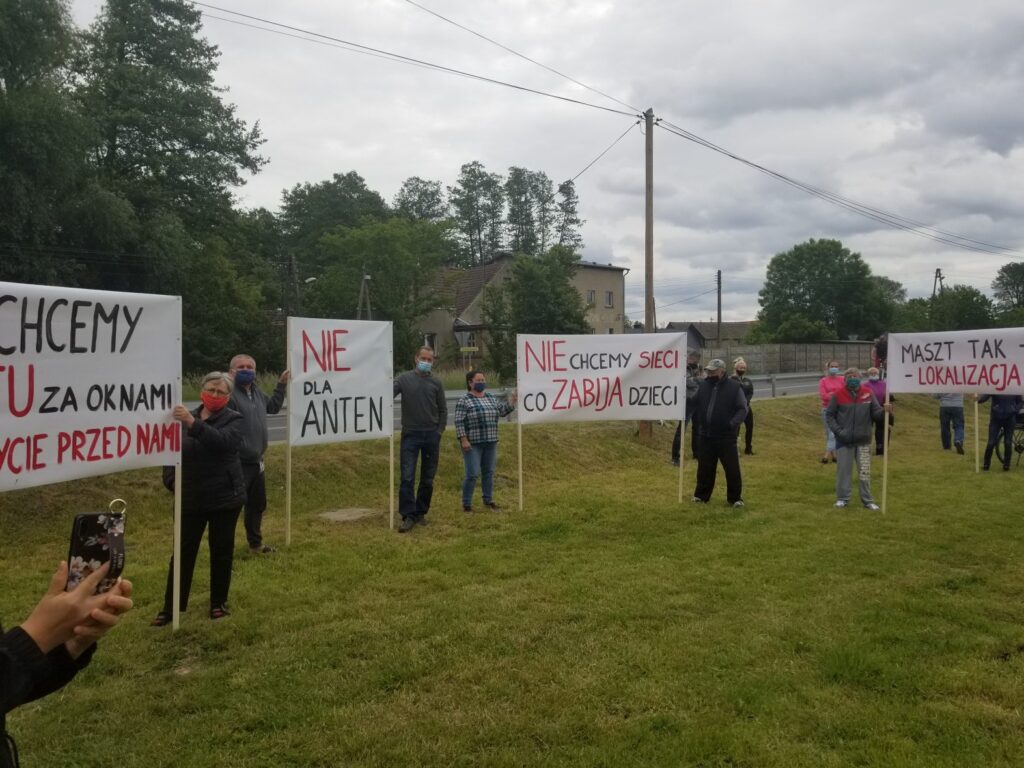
<point x="718" y="334"/>
<point x="646" y="428"/>
<point x="364" y="297"/>
<point x="937" y="282"/>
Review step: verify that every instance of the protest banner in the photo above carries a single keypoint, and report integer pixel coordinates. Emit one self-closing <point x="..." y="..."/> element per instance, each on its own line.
<point x="341" y="387"/>
<point x="978" y="361"/>
<point x="618" y="377"/>
<point x="88" y="380"/>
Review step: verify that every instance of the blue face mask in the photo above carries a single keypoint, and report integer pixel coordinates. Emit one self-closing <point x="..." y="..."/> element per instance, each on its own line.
<point x="245" y="377"/>
<point x="423" y="366"/>
<point x="853" y="384"/>
<point x="479" y="386"/>
<point x="833" y="371"/>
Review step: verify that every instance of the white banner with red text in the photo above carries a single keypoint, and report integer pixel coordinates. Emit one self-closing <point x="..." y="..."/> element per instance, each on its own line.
<point x="341" y="385"/>
<point x="601" y="378"/>
<point x="88" y="381"/>
<point x="957" y="361"/>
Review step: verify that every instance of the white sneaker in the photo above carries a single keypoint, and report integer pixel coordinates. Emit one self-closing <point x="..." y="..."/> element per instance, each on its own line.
<point x="738" y="503"/>
<point x="698" y="500"/>
<point x="841" y="503"/>
<point x="872" y="506"/>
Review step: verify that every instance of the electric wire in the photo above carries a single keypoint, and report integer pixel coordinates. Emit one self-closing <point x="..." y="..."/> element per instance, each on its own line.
<point x="883" y="217"/>
<point x="522" y="56"/>
<point x="359" y="48"/>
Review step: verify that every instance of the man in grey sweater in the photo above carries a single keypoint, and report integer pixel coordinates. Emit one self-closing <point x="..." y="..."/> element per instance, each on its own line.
<point x="424" y="417"/>
<point x="951" y="419"/>
<point x="248" y="400"/>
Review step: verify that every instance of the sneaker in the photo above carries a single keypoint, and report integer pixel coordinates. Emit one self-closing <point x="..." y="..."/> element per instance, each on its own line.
<point x="1006" y="467"/>
<point x="674" y="462"/>
<point x="492" y="506"/>
<point x="422" y="519"/>
<point x="960" y="448"/>
<point x="407" y="524"/>
<point x="842" y="503"/>
<point x="738" y="503"/>
<point x="467" y="508"/>
<point x="872" y="506"/>
<point x="219" y="612"/>
<point x="748" y="452"/>
<point x="698" y="500"/>
<point x="264" y="549"/>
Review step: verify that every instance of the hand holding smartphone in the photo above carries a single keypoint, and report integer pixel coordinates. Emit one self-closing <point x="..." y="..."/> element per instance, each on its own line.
<point x="97" y="538"/>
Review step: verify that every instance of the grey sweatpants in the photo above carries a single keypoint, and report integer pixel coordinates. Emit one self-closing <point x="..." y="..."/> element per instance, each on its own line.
<point x="847" y="458"/>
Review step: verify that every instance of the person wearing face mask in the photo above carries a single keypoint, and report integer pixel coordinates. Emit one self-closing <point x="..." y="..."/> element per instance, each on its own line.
<point x="719" y="410"/>
<point x="739" y="373"/>
<point x="850" y="415"/>
<point x="424" y="417"/>
<point x="476" y="428"/>
<point x="250" y="401"/>
<point x="877" y="386"/>
<point x="829" y="384"/>
<point x="693" y="378"/>
<point x="212" y="492"/>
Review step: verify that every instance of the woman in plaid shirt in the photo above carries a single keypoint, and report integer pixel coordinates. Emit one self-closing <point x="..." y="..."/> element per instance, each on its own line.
<point x="476" y="427"/>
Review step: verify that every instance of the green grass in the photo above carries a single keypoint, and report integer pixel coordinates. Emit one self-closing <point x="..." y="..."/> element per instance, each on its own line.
<point x="606" y="625"/>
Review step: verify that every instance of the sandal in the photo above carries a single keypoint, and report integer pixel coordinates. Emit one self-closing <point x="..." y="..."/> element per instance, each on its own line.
<point x="162" y="619"/>
<point x="219" y="612"/>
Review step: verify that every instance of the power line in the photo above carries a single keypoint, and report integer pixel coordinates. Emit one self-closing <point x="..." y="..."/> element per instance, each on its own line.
<point x="359" y="48"/>
<point x="634" y="125"/>
<point x="892" y="220"/>
<point x="521" y="55"/>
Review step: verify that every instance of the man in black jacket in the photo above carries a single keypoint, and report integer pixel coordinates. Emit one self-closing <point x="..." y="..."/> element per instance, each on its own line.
<point x="719" y="410"/>
<point x="693" y="379"/>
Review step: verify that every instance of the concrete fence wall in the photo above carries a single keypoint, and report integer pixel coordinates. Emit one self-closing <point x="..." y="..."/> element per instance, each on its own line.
<point x="793" y="358"/>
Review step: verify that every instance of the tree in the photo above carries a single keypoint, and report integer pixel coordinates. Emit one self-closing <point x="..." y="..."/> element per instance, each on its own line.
<point x="403" y="259"/>
<point x="960" y="308"/>
<point x="420" y="199"/>
<point x="42" y="149"/>
<point x="1008" y="287"/>
<point x="568" y="222"/>
<point x="522" y="229"/>
<point x="819" y="281"/>
<point x="478" y="204"/>
<point x="496" y="315"/>
<point x="164" y="139"/>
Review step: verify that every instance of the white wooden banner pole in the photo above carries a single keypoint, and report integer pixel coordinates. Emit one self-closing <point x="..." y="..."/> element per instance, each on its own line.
<point x="977" y="438"/>
<point x="885" y="451"/>
<point x="176" y="588"/>
<point x="519" y="431"/>
<point x="391" y="479"/>
<point x="292" y="403"/>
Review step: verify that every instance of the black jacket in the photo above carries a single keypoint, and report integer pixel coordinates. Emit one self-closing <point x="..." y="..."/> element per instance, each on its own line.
<point x="27" y="674"/>
<point x="720" y="408"/>
<point x="211" y="472"/>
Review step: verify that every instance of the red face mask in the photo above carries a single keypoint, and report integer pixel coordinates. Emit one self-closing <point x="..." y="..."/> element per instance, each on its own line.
<point x="213" y="403"/>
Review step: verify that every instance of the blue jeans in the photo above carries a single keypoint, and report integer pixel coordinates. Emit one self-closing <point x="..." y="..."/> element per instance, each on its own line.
<point x="830" y="436"/>
<point x="951" y="417"/>
<point x="422" y="445"/>
<point x="481" y="458"/>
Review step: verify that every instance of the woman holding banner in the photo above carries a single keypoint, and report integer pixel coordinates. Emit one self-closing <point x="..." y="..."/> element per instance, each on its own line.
<point x="476" y="428"/>
<point x="212" y="492"/>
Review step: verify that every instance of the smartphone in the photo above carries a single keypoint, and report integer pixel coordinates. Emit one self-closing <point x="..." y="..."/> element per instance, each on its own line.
<point x="96" y="538"/>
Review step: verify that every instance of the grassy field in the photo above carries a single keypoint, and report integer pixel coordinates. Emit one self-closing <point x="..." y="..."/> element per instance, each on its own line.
<point x="606" y="625"/>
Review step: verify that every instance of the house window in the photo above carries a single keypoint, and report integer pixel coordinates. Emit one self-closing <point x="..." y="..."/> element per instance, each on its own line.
<point x="611" y="330"/>
<point x="430" y="340"/>
<point x="591" y="297"/>
<point x="609" y="299"/>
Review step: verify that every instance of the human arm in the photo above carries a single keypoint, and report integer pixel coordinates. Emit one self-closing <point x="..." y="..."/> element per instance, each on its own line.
<point x="223" y="439"/>
<point x="739" y="409"/>
<point x="832" y="414"/>
<point x="397" y="387"/>
<point x="442" y="409"/>
<point x="509" y="404"/>
<point x="276" y="401"/>
<point x="461" y="412"/>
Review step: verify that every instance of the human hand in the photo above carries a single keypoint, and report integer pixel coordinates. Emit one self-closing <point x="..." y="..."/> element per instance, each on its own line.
<point x="466" y="447"/>
<point x="285" y="376"/>
<point x="102" y="619"/>
<point x="887" y="407"/>
<point x="513" y="397"/>
<point x="55" y="617"/>
<point x="183" y="414"/>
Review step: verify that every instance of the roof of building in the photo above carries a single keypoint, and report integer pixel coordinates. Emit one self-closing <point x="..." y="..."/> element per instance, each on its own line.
<point x="732" y="329"/>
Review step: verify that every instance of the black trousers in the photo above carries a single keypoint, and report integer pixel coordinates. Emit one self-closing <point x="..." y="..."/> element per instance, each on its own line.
<point x="255" y="504"/>
<point x="222" y="551"/>
<point x="995" y="427"/>
<point x="712" y="451"/>
<point x="748" y="433"/>
<point x="678" y="440"/>
<point x="880" y="432"/>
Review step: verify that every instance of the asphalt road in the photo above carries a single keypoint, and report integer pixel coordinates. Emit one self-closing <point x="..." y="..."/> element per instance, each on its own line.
<point x="785" y="385"/>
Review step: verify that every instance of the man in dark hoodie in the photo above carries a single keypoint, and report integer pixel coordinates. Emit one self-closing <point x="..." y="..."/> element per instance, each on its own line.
<point x="719" y="409"/>
<point x="1002" y="420"/>
<point x="851" y="415"/>
<point x="249" y="400"/>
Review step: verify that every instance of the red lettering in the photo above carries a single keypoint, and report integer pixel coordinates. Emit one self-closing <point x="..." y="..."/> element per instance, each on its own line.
<point x="550" y="358"/>
<point x="558" y="405"/>
<point x="15" y="411"/>
<point x="307" y="345"/>
<point x="30" y="450"/>
<point x="334" y="357"/>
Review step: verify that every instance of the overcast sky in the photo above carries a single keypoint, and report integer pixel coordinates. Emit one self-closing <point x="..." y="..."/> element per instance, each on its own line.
<point x="911" y="107"/>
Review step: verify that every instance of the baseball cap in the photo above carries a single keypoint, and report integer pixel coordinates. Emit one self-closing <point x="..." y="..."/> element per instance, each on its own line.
<point x="715" y="365"/>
